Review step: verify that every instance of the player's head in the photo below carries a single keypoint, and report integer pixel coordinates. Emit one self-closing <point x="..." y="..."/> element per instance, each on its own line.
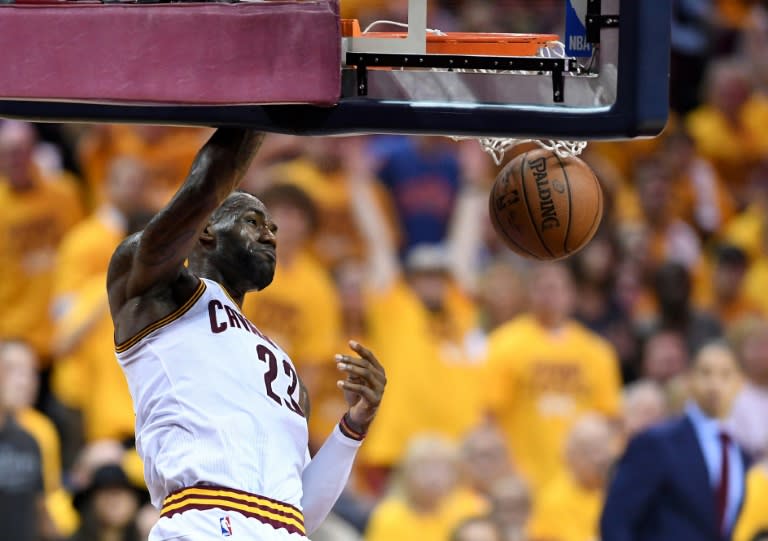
<point x="239" y="242"/>
<point x="17" y="143"/>
<point x="18" y="375"/>
<point x="590" y="451"/>
<point x="477" y="529"/>
<point x="551" y="293"/>
<point x="714" y="379"/>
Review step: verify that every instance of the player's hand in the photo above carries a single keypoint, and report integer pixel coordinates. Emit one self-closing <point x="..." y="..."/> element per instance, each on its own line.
<point x="363" y="387"/>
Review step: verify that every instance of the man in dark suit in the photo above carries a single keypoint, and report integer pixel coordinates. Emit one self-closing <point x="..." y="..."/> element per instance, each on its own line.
<point x="683" y="480"/>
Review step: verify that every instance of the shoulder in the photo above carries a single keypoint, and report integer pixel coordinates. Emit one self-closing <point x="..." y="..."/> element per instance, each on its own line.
<point x="36" y="424"/>
<point x="663" y="433"/>
<point x="391" y="509"/>
<point x="512" y="335"/>
<point x="121" y="261"/>
<point x="520" y="326"/>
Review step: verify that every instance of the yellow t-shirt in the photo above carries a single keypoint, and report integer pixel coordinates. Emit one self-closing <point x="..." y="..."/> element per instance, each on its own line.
<point x="754" y="515"/>
<point x="394" y="519"/>
<point x="434" y="384"/>
<point x="565" y="511"/>
<point x="541" y="383"/>
<point x="88" y="377"/>
<point x="32" y="223"/>
<point x="732" y="149"/>
<point x="85" y="251"/>
<point x="337" y="237"/>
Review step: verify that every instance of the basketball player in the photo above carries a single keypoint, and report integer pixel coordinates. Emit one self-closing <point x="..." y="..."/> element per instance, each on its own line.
<point x="220" y="415"/>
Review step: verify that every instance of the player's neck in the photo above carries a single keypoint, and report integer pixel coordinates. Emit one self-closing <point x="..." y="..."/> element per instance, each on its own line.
<point x="205" y="269"/>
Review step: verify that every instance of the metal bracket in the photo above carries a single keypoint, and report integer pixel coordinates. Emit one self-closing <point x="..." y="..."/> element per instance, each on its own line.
<point x="596" y="21"/>
<point x="557" y="66"/>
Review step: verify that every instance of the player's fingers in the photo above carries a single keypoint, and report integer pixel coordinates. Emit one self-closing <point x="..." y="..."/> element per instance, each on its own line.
<point x="362" y="363"/>
<point x="363" y="373"/>
<point x="365" y="353"/>
<point x="373" y="397"/>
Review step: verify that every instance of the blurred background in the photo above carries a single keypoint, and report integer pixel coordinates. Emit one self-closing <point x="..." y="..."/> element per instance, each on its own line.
<point x="513" y="386"/>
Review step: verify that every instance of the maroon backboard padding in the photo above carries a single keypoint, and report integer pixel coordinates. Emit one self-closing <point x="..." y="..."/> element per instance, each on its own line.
<point x="186" y="53"/>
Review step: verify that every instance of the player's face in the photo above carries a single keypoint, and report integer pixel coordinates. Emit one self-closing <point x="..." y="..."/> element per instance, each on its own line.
<point x="246" y="241"/>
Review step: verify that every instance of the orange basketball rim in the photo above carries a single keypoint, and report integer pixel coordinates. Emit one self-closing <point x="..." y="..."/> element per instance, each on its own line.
<point x="464" y="43"/>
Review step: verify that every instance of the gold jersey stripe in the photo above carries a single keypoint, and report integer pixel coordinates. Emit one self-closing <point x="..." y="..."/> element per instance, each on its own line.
<point x="176" y="314"/>
<point x="200" y="491"/>
<point x="228" y="505"/>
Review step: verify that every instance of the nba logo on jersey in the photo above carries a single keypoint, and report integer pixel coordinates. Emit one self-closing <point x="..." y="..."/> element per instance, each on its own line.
<point x="576" y="43"/>
<point x="226" y="526"/>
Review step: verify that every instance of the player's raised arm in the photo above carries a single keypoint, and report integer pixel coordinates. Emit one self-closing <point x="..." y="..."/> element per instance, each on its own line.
<point x="158" y="255"/>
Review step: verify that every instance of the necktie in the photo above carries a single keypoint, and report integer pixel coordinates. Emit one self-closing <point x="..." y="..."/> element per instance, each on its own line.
<point x="722" y="488"/>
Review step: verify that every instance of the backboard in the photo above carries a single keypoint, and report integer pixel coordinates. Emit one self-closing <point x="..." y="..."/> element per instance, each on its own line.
<point x="609" y="79"/>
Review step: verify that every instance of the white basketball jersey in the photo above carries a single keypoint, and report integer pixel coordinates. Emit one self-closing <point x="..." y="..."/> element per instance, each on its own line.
<point x="216" y="402"/>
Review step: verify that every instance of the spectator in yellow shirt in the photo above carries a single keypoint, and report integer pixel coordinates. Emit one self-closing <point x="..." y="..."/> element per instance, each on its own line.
<point x="754" y="515"/>
<point x="86" y="249"/>
<point x="548" y="370"/>
<point x="700" y="197"/>
<point x="729" y="129"/>
<point x="424" y="506"/>
<point x="321" y="171"/>
<point x="35" y="213"/>
<point x="423" y="326"/>
<point x="568" y="508"/>
<point x="300" y="309"/>
<point x="729" y="302"/>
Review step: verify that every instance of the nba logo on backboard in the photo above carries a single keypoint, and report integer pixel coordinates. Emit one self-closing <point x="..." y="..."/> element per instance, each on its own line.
<point x="226" y="526"/>
<point x="576" y="43"/>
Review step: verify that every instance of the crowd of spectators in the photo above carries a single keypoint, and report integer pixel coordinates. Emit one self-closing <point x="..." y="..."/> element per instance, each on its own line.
<point x="514" y="386"/>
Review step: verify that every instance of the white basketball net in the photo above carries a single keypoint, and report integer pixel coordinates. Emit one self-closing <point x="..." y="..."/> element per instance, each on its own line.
<point x="498" y="147"/>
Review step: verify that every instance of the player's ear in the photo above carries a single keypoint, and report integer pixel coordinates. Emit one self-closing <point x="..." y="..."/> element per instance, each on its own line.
<point x="206" y="235"/>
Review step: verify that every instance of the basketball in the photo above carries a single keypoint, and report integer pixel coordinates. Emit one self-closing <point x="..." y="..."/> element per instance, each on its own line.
<point x="546" y="207"/>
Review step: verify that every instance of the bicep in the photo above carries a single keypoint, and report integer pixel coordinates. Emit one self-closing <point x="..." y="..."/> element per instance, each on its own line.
<point x="165" y="243"/>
